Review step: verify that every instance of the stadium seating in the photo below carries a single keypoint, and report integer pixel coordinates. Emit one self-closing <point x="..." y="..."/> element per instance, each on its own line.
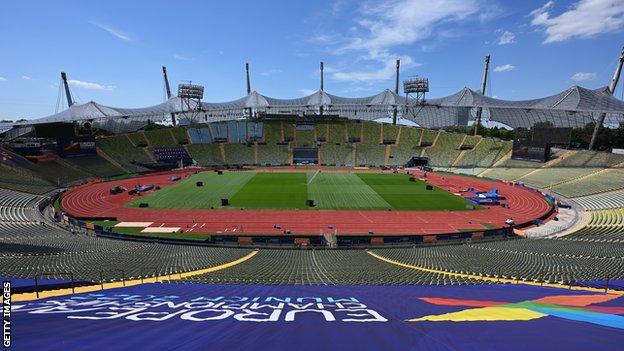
<point x="254" y="131"/>
<point x="614" y="199"/>
<point x="371" y="134"/>
<point x="233" y="133"/>
<point x="547" y="177"/>
<point x="239" y="154"/>
<point x="322" y="267"/>
<point x="273" y="155"/>
<point x="369" y="154"/>
<point x="172" y="155"/>
<point x="96" y="166"/>
<point x="289" y="130"/>
<point x="337" y="133"/>
<point x="123" y="151"/>
<point x="591" y="159"/>
<point x="28" y="248"/>
<point x="467" y="170"/>
<point x="507" y="173"/>
<point x="509" y="163"/>
<point x="57" y="171"/>
<point x="556" y="247"/>
<point x="354" y="130"/>
<point x="17" y="206"/>
<point x="511" y="169"/>
<point x="322" y="131"/>
<point x="60" y="172"/>
<point x="337" y="155"/>
<point x="408" y="146"/>
<point x="605" y="225"/>
<point x="138" y="138"/>
<point x="305" y="138"/>
<point x="272" y="132"/>
<point x="206" y="154"/>
<point x="428" y="136"/>
<point x="540" y="260"/>
<point x="445" y="150"/>
<point x="470" y="141"/>
<point x="218" y="131"/>
<point x="23" y="180"/>
<point x="180" y="135"/>
<point x="390" y="132"/>
<point x="199" y="135"/>
<point x="51" y="250"/>
<point x="607" y="180"/>
<point x="160" y="137"/>
<point x="485" y="153"/>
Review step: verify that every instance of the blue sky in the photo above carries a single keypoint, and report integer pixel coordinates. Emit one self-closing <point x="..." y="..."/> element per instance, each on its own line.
<point x="113" y="50"/>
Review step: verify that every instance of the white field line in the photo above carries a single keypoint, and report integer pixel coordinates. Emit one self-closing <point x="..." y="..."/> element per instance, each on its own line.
<point x="313" y="176"/>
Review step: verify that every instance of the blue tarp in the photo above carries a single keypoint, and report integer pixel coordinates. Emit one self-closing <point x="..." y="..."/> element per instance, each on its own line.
<point x="28" y="284"/>
<point x="617" y="284"/>
<point x="143" y="188"/>
<point x="484" y="201"/>
<point x="246" y="317"/>
<point x="490" y="198"/>
<point x="492" y="194"/>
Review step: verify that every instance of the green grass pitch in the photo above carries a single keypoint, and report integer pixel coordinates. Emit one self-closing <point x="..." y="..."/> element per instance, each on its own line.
<point x="330" y="191"/>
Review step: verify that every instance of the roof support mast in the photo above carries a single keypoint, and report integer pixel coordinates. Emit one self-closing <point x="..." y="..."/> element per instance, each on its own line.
<point x="249" y="110"/>
<point x="247" y="76"/>
<point x="396" y="92"/>
<point x="321" y="92"/>
<point x="167" y="88"/>
<point x="70" y="101"/>
<point x="168" y="91"/>
<point x="611" y="90"/>
<point x="486" y="67"/>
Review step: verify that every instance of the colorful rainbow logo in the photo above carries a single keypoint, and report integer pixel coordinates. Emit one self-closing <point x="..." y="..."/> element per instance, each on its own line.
<point x="580" y="308"/>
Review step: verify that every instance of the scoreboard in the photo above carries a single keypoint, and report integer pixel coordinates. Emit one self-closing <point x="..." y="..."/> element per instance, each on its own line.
<point x="528" y="150"/>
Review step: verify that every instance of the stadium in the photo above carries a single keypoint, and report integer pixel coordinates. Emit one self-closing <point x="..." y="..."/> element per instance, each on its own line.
<point x="390" y="221"/>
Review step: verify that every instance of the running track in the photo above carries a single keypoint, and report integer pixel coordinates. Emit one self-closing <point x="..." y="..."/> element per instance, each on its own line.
<point x="93" y="200"/>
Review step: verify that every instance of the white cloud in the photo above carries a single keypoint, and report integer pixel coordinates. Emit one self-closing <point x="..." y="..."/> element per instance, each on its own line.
<point x="399" y="22"/>
<point x="504" y="68"/>
<point x="385" y="72"/>
<point x="271" y="72"/>
<point x="356" y="89"/>
<point x="26" y="77"/>
<point x="306" y="92"/>
<point x="507" y="38"/>
<point x="2" y="79"/>
<point x="183" y="58"/>
<point x="382" y="26"/>
<point x="337" y="6"/>
<point x="326" y="39"/>
<point x="584" y="19"/>
<point x="113" y="31"/>
<point x="90" y="85"/>
<point x="584" y="76"/>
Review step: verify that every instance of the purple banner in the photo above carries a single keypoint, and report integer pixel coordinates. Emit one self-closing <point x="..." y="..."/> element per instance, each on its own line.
<point x="236" y="317"/>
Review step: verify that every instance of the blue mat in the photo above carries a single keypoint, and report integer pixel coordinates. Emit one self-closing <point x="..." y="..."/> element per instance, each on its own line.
<point x="616" y="284"/>
<point x="28" y="284"/>
<point x="246" y="317"/>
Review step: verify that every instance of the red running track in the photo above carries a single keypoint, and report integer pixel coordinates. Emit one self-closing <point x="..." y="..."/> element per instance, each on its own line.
<point x="93" y="200"/>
